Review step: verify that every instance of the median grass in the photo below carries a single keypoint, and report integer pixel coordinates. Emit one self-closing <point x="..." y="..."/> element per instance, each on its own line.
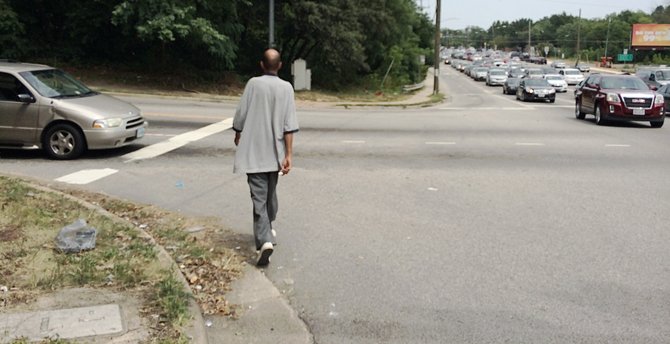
<point x="124" y="259"/>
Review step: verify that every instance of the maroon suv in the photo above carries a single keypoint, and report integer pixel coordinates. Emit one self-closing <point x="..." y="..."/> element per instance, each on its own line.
<point x="619" y="97"/>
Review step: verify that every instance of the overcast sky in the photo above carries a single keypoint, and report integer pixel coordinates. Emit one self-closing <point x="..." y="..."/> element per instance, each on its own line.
<point x="457" y="14"/>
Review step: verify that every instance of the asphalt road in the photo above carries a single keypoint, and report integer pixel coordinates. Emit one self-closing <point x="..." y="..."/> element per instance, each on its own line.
<point x="481" y="220"/>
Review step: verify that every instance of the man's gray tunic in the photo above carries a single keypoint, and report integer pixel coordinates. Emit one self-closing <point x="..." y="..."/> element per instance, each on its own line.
<point x="265" y="113"/>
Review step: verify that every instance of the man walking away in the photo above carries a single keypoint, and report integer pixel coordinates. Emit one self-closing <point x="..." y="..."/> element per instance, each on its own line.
<point x="264" y="124"/>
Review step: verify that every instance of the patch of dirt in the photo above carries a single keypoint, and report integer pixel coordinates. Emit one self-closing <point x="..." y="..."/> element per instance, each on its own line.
<point x="10" y="233"/>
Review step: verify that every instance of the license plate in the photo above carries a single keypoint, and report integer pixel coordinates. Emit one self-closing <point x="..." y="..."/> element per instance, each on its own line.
<point x="139" y="133"/>
<point x="540" y="95"/>
<point x="639" y="112"/>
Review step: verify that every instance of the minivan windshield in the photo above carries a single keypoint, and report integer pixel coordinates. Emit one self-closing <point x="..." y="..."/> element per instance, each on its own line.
<point x="54" y="83"/>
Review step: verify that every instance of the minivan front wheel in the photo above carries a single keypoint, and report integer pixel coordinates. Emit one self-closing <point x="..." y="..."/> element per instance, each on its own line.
<point x="63" y="142"/>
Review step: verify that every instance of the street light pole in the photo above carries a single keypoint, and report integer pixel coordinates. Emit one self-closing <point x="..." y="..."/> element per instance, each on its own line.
<point x="529" y="28"/>
<point x="271" y="21"/>
<point x="436" y="68"/>
<point x="579" y="25"/>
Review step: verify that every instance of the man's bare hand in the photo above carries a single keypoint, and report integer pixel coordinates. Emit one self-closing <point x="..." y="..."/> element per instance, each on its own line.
<point x="286" y="166"/>
<point x="237" y="139"/>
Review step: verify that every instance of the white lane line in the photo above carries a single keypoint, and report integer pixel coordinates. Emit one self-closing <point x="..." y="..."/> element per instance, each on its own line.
<point x="353" y="141"/>
<point x="529" y="144"/>
<point x="488" y="108"/>
<point x="440" y="143"/>
<point x="616" y="145"/>
<point x="86" y="176"/>
<point x="178" y="141"/>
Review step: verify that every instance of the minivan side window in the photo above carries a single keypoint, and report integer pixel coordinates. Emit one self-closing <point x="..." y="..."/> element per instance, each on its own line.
<point x="11" y="87"/>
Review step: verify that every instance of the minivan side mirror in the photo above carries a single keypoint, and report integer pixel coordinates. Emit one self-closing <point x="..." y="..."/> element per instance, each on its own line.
<point x="26" y="98"/>
<point x="652" y="77"/>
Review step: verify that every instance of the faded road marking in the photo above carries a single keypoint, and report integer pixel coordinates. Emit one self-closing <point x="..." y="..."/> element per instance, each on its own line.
<point x="86" y="176"/>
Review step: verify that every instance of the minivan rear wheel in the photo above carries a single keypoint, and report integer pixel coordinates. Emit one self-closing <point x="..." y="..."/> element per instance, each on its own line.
<point x="63" y="142"/>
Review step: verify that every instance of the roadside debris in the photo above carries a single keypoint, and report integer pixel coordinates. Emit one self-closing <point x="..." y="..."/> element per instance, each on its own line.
<point x="76" y="237"/>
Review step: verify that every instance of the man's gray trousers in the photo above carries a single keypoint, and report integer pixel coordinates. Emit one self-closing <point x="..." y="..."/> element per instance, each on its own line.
<point x="264" y="197"/>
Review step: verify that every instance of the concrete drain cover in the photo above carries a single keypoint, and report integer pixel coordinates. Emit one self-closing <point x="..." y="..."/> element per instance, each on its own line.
<point x="62" y="323"/>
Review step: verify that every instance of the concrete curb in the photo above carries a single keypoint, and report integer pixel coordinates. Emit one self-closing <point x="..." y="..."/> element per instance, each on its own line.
<point x="419" y="99"/>
<point x="265" y="315"/>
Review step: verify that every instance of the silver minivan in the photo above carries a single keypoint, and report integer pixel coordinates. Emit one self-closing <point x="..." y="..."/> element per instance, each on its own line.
<point x="44" y="107"/>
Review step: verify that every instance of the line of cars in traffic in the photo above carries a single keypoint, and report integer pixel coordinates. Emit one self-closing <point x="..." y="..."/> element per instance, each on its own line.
<point x="644" y="96"/>
<point x="527" y="82"/>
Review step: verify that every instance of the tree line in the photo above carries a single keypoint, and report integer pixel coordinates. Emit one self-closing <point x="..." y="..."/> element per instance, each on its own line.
<point x="560" y="33"/>
<point x="345" y="42"/>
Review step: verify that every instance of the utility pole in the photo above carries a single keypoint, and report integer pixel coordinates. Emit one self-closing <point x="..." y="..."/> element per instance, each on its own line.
<point x="271" y="22"/>
<point x="529" y="50"/>
<point x="579" y="25"/>
<point x="436" y="71"/>
<point x="607" y="39"/>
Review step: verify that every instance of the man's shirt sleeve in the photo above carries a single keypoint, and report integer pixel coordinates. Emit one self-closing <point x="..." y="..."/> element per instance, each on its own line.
<point x="291" y="120"/>
<point x="243" y="108"/>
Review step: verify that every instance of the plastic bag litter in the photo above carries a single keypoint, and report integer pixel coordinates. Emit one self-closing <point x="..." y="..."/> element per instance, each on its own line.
<point x="76" y="237"/>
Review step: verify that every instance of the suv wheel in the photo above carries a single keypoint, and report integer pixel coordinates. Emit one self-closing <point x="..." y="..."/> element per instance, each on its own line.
<point x="600" y="118"/>
<point x="63" y="142"/>
<point x="578" y="110"/>
<point x="657" y="124"/>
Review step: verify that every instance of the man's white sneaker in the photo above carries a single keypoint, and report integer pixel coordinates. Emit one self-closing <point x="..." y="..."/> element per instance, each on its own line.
<point x="265" y="253"/>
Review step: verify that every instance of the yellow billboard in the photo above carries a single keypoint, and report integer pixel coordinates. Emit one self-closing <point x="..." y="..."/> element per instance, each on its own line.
<point x="651" y="35"/>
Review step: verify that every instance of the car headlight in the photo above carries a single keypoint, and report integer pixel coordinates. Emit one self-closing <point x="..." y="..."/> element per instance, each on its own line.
<point x="659" y="99"/>
<point x="107" y="123"/>
<point x="612" y="97"/>
<point x="529" y="90"/>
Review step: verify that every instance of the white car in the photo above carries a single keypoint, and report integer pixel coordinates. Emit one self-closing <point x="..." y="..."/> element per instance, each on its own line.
<point x="557" y="82"/>
<point x="571" y="75"/>
<point x="496" y="77"/>
<point x="558" y="64"/>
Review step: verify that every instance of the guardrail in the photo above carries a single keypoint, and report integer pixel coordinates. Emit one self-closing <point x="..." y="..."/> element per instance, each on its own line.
<point x="409" y="88"/>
